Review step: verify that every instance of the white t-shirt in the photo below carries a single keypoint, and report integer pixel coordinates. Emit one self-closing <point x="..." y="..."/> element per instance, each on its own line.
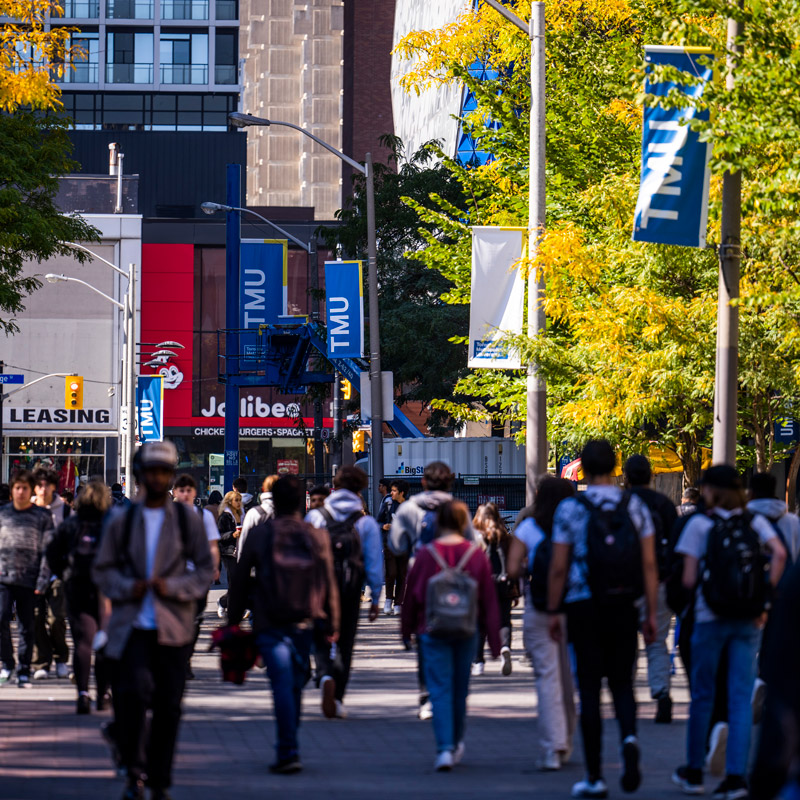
<point x="694" y="542"/>
<point x="153" y="522"/>
<point x="210" y="524"/>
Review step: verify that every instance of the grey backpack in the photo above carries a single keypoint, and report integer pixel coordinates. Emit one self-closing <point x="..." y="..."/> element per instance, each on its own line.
<point x="451" y="602"/>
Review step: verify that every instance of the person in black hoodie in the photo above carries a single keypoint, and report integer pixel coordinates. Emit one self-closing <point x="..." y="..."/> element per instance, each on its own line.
<point x="70" y="555"/>
<point x="638" y="475"/>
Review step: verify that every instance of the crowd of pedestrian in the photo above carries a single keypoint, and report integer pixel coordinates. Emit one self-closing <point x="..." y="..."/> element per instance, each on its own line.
<point x="595" y="567"/>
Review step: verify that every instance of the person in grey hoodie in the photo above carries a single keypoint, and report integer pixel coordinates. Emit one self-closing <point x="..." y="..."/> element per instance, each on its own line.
<point x="50" y="612"/>
<point x="764" y="502"/>
<point x="343" y="504"/>
<point x="25" y="533"/>
<point x="261" y="513"/>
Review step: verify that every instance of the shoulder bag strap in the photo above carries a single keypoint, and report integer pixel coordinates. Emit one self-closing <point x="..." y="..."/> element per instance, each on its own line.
<point x="466" y="557"/>
<point x="431" y="548"/>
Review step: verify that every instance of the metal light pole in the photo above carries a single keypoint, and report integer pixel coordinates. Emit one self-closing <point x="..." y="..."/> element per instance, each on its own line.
<point x="376" y="390"/>
<point x="536" y="447"/>
<point x="233" y="239"/>
<point x="726" y="394"/>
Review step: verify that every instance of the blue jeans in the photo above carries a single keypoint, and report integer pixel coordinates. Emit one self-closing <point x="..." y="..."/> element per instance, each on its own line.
<point x="741" y="639"/>
<point x="286" y="655"/>
<point x="447" y="664"/>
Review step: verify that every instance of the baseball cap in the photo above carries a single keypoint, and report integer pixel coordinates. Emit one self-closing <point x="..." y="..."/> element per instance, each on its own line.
<point x="721" y="476"/>
<point x="158" y="454"/>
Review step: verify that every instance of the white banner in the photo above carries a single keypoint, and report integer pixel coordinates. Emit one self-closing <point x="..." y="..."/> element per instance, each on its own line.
<point x="497" y="296"/>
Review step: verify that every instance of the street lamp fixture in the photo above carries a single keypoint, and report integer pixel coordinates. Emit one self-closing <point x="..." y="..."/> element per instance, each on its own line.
<point x="240" y="120"/>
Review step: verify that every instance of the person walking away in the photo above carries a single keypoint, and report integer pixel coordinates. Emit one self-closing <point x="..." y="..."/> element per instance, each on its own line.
<point x="316" y="496"/>
<point x="395" y="567"/>
<point x="70" y="555"/>
<point x="496" y="540"/>
<point x="185" y="491"/>
<point x="154" y="564"/>
<point x="294" y="593"/>
<point x="414" y="525"/>
<point x="213" y="504"/>
<point x="604" y="553"/>
<point x="248" y="500"/>
<point x="25" y="533"/>
<point x="118" y="496"/>
<point x="529" y="553"/>
<point x="690" y="502"/>
<point x="50" y="610"/>
<point x="229" y="525"/>
<point x="450" y="597"/>
<point x="638" y="475"/>
<point x="724" y="561"/>
<point x="261" y="513"/>
<point x="356" y="545"/>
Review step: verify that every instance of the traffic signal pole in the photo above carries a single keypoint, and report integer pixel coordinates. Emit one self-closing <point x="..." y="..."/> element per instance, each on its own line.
<point x="233" y="234"/>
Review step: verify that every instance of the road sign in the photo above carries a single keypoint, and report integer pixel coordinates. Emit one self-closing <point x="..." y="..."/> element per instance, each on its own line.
<point x="7" y="378"/>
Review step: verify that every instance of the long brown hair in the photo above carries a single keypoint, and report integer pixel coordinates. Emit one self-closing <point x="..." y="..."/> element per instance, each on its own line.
<point x="490" y="524"/>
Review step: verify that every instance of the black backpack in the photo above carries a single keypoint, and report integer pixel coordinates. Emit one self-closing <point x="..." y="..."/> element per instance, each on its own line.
<point x="734" y="575"/>
<point x="82" y="550"/>
<point x="348" y="558"/>
<point x="537" y="581"/>
<point x="613" y="553"/>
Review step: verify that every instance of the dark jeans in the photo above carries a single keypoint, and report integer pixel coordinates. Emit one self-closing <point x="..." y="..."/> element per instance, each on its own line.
<point x="396" y="569"/>
<point x="24" y="598"/>
<point x="229" y="562"/>
<point x="605" y="643"/>
<point x="339" y="668"/>
<point x="84" y="627"/>
<point x="50" y="627"/>
<point x="149" y="675"/>
<point x="286" y="652"/>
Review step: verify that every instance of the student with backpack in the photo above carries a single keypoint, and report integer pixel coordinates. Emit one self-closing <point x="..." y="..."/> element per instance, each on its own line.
<point x="70" y="555"/>
<point x="604" y="553"/>
<point x="260" y="513"/>
<point x="294" y="595"/>
<point x="638" y="475"/>
<point x="357" y="558"/>
<point x="725" y="560"/>
<point x="450" y="596"/>
<point x="763" y="500"/>
<point x="529" y="555"/>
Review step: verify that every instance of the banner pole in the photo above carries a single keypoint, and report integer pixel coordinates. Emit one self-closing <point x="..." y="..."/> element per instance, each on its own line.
<point x="536" y="448"/>
<point x="726" y="394"/>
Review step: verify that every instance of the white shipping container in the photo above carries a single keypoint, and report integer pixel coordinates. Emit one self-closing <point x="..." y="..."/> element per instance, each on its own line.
<point x="467" y="456"/>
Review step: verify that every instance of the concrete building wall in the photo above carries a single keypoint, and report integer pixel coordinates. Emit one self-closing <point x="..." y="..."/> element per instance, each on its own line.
<point x="292" y="54"/>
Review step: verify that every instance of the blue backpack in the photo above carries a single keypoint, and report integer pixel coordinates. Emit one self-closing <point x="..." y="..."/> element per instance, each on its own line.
<point x="429" y="528"/>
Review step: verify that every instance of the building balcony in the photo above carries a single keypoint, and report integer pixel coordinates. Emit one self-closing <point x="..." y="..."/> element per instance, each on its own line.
<point x="81" y="9"/>
<point x="81" y="72"/>
<point x="129" y="73"/>
<point x="184" y="9"/>
<point x="227" y="9"/>
<point x="225" y="74"/>
<point x="129" y="9"/>
<point x="184" y="73"/>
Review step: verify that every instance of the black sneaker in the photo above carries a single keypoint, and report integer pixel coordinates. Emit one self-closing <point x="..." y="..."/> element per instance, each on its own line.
<point x="664" y="710"/>
<point x="734" y="787"/>
<point x="103" y="701"/>
<point x="631" y="774"/>
<point x="160" y="794"/>
<point x="84" y="704"/>
<point x="690" y="780"/>
<point x="133" y="791"/>
<point x="107" y="732"/>
<point x="286" y="766"/>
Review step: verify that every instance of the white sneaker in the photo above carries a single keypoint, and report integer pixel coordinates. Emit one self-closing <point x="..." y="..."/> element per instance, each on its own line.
<point x="458" y="753"/>
<point x="587" y="788"/>
<point x="477" y="669"/>
<point x="717" y="749"/>
<point x="757" y="700"/>
<point x="62" y="670"/>
<point x="41" y="674"/>
<point x="398" y="610"/>
<point x="221" y="613"/>
<point x="387" y="607"/>
<point x="550" y="762"/>
<point x="444" y="761"/>
<point x="5" y="675"/>
<point x="341" y="711"/>
<point x="505" y="654"/>
<point x="426" y="711"/>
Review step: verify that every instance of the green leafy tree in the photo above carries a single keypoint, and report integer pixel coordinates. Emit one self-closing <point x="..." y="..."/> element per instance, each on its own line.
<point x="34" y="153"/>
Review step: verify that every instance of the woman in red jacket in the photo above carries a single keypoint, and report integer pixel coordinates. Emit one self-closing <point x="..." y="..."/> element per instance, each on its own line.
<point x="448" y="659"/>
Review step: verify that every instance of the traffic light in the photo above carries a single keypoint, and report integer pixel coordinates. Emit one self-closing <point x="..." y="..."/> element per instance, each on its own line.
<point x="310" y="447"/>
<point x="73" y="392"/>
<point x="347" y="389"/>
<point x="359" y="441"/>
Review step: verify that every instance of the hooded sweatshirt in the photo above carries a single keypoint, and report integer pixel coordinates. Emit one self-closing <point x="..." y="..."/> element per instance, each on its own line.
<point x="407" y="522"/>
<point x="340" y="504"/>
<point x="255" y="516"/>
<point x="787" y="524"/>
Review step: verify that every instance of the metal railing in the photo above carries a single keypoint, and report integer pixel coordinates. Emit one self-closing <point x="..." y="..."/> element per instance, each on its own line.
<point x="225" y="73"/>
<point x="81" y="9"/>
<point x="226" y="9"/>
<point x="184" y="73"/>
<point x="81" y="72"/>
<point x="129" y="73"/>
<point x="184" y="9"/>
<point x="129" y="9"/>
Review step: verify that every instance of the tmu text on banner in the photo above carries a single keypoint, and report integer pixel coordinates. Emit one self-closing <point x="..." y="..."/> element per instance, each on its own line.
<point x="497" y="296"/>
<point x="673" y="195"/>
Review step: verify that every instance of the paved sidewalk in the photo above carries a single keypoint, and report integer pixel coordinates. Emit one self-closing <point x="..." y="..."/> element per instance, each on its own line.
<point x="382" y="750"/>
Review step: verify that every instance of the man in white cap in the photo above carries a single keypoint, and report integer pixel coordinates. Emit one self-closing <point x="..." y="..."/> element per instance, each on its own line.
<point x="154" y="563"/>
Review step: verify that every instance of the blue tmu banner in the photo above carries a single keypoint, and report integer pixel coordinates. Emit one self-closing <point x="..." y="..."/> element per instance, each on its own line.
<point x="150" y="408"/>
<point x="673" y="195"/>
<point x="262" y="290"/>
<point x="344" y="302"/>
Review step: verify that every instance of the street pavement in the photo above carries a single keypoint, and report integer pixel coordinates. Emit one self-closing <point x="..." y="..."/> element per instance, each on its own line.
<point x="381" y="751"/>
